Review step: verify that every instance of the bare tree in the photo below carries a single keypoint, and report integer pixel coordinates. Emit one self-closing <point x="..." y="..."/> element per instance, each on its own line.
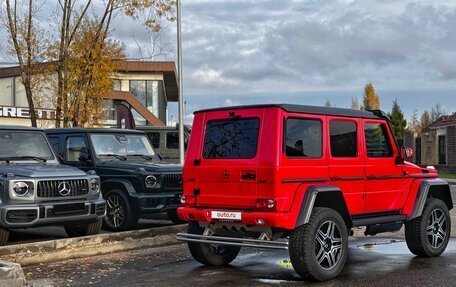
<point x="24" y="44"/>
<point x="437" y="111"/>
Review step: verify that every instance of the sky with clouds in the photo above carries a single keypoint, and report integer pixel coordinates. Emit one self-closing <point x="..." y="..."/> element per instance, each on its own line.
<point x="307" y="52"/>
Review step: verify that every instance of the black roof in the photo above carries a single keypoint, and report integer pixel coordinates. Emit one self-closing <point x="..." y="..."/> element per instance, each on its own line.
<point x="90" y="130"/>
<point x="310" y="110"/>
<point x="19" y="128"/>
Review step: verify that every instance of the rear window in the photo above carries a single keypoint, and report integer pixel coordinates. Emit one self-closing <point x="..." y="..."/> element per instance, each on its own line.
<point x="231" y="138"/>
<point x="172" y="140"/>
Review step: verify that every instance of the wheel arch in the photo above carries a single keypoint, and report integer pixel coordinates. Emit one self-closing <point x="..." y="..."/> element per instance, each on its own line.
<point x="432" y="188"/>
<point x="123" y="185"/>
<point x="329" y="196"/>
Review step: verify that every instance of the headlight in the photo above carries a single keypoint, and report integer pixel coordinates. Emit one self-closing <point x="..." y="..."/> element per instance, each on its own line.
<point x="151" y="181"/>
<point x="21" y="188"/>
<point x="94" y="185"/>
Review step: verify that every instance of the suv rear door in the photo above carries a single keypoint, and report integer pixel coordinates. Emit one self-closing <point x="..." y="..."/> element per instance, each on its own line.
<point x="226" y="170"/>
<point x="385" y="181"/>
<point x="346" y="163"/>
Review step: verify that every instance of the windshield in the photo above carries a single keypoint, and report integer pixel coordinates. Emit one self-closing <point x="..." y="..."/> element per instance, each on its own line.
<point x="121" y="145"/>
<point x="24" y="145"/>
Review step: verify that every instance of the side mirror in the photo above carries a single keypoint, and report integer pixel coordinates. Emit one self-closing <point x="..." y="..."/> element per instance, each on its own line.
<point x="406" y="153"/>
<point x="84" y="156"/>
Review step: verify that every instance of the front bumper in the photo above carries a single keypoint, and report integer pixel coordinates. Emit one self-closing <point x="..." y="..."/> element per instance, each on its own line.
<point x="156" y="203"/>
<point x="39" y="214"/>
<point x="283" y="220"/>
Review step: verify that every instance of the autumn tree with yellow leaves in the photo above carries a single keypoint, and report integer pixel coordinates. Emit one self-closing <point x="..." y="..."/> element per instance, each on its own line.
<point x="80" y="52"/>
<point x="71" y="96"/>
<point x="370" y="98"/>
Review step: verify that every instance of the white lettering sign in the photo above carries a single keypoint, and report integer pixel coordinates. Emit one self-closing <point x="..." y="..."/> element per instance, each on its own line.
<point x="21" y="112"/>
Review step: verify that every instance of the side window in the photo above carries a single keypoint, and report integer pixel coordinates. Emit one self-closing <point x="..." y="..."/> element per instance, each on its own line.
<point x="172" y="140"/>
<point x="303" y="138"/>
<point x="343" y="138"/>
<point x="154" y="138"/>
<point x="74" y="146"/>
<point x="55" y="143"/>
<point x="377" y="141"/>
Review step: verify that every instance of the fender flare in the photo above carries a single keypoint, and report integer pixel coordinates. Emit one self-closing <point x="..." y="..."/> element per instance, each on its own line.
<point x="125" y="183"/>
<point x="310" y="199"/>
<point x="422" y="195"/>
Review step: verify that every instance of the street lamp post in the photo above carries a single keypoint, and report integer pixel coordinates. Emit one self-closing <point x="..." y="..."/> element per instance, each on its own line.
<point x="180" y="82"/>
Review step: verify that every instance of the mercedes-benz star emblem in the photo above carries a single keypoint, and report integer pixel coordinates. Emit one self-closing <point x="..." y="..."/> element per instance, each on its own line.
<point x="64" y="188"/>
<point x="226" y="174"/>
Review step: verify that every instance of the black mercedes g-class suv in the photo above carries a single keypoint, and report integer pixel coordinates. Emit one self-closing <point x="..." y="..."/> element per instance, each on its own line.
<point x="133" y="181"/>
<point x="36" y="190"/>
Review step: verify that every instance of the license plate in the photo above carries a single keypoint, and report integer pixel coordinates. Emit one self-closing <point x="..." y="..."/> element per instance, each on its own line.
<point x="226" y="215"/>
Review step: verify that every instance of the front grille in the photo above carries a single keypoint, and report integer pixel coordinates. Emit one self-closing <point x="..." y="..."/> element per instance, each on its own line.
<point x="50" y="188"/>
<point x="172" y="180"/>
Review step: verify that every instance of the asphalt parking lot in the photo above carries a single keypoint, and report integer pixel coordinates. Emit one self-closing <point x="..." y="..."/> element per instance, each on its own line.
<point x="373" y="261"/>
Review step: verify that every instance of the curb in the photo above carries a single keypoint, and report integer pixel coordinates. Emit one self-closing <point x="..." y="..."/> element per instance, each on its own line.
<point x="61" y="249"/>
<point x="11" y="274"/>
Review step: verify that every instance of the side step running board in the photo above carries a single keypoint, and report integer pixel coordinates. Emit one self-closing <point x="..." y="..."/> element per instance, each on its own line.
<point x="245" y="242"/>
<point x="378" y="220"/>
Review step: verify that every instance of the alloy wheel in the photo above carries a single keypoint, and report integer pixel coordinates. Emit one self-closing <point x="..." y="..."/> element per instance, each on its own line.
<point x="115" y="214"/>
<point x="436" y="230"/>
<point x="328" y="247"/>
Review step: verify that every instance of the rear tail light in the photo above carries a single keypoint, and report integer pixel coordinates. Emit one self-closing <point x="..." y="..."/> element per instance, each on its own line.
<point x="188" y="200"/>
<point x="264" y="203"/>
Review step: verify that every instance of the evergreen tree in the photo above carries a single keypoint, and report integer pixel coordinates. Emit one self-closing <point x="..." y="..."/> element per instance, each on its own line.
<point x="327" y="103"/>
<point x="398" y="122"/>
<point x="370" y="98"/>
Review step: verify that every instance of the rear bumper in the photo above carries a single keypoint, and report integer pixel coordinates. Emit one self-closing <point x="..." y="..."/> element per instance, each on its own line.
<point x="31" y="215"/>
<point x="284" y="220"/>
<point x="233" y="241"/>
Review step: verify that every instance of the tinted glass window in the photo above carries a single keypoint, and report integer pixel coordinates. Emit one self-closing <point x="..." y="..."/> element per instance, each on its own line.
<point x="303" y="138"/>
<point x="343" y="139"/>
<point x="74" y="147"/>
<point x="172" y="140"/>
<point x="377" y="140"/>
<point x="154" y="139"/>
<point x="55" y="143"/>
<point x="231" y="138"/>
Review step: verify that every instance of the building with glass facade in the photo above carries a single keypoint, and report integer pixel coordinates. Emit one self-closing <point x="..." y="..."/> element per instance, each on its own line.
<point x="145" y="87"/>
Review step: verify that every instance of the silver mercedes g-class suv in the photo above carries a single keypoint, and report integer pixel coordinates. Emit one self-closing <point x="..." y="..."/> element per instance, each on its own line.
<point x="36" y="190"/>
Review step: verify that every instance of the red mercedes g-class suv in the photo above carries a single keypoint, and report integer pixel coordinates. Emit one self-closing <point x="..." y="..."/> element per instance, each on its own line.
<point x="300" y="178"/>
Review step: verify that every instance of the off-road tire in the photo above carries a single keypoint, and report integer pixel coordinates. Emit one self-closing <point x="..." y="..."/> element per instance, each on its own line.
<point x="4" y="236"/>
<point x="416" y="229"/>
<point x="206" y="254"/>
<point x="130" y="216"/>
<point x="83" y="229"/>
<point x="172" y="215"/>
<point x="303" y="246"/>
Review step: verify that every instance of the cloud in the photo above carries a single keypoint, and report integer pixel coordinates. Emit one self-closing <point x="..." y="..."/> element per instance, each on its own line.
<point x="307" y="51"/>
